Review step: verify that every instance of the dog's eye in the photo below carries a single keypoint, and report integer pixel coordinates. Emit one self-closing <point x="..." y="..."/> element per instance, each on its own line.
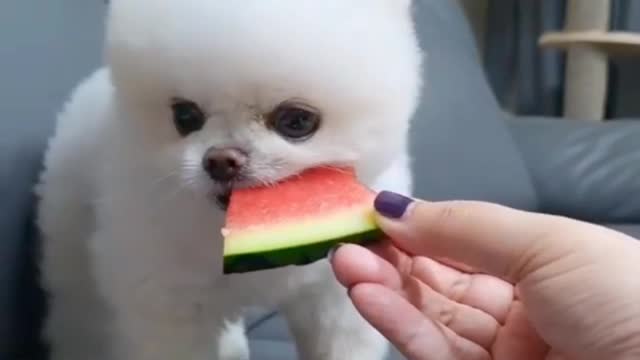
<point x="187" y="117"/>
<point x="294" y="122"/>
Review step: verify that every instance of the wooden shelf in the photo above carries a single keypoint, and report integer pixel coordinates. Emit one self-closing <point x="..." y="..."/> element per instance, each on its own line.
<point x="613" y="43"/>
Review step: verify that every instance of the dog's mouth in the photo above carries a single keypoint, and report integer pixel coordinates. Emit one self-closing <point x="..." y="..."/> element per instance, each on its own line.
<point x="223" y="197"/>
<point x="221" y="191"/>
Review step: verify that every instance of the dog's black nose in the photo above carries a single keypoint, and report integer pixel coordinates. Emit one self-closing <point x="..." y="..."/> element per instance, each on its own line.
<point x="223" y="165"/>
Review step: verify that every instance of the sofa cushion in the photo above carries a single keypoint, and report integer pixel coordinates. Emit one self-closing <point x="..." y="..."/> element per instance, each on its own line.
<point x="21" y="301"/>
<point x="582" y="169"/>
<point x="461" y="146"/>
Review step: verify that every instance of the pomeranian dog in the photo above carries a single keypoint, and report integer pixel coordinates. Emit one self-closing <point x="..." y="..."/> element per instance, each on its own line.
<point x="197" y="97"/>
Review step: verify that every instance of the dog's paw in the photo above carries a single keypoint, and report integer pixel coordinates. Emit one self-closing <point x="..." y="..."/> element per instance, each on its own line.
<point x="233" y="343"/>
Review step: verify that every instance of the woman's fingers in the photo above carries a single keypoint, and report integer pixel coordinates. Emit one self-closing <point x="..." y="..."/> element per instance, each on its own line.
<point x="466" y="321"/>
<point x="518" y="339"/>
<point x="479" y="291"/>
<point x="415" y="335"/>
<point x="354" y="264"/>
<point x="487" y="293"/>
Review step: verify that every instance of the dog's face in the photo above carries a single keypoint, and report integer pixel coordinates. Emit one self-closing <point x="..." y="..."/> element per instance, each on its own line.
<point x="251" y="91"/>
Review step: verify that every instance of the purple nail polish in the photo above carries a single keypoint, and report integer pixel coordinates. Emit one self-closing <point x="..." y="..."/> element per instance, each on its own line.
<point x="392" y="205"/>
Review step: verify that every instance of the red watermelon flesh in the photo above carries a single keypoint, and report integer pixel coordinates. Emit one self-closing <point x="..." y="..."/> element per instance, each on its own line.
<point x="297" y="221"/>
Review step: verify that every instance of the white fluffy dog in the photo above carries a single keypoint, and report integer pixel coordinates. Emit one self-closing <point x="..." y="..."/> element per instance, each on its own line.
<point x="198" y="96"/>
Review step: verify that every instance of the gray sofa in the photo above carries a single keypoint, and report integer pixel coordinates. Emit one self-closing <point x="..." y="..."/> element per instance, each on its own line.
<point x="464" y="147"/>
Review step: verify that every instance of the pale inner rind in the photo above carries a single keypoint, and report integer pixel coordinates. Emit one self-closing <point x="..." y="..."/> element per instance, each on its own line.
<point x="308" y="231"/>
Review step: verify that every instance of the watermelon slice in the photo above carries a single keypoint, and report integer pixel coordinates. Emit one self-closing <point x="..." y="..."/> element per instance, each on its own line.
<point x="297" y="221"/>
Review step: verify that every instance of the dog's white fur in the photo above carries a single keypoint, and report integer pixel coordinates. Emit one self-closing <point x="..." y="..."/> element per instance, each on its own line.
<point x="132" y="247"/>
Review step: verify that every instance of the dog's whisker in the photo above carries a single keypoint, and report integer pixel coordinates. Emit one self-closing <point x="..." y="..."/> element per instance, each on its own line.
<point x="189" y="166"/>
<point x="166" y="177"/>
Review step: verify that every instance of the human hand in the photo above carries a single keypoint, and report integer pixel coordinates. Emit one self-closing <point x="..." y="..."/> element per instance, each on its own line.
<point x="554" y="288"/>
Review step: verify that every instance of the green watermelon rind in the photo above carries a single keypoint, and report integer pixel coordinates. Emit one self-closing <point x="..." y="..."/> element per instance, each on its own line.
<point x="297" y="242"/>
<point x="294" y="256"/>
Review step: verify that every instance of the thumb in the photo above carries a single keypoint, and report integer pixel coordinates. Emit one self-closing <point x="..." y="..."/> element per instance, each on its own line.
<point x="489" y="238"/>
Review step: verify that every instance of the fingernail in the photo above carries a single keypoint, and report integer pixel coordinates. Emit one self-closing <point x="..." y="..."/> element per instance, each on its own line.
<point x="392" y="205"/>
<point x="332" y="251"/>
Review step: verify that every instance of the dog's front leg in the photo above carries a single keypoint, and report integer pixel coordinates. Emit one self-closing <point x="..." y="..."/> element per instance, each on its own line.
<point x="160" y="312"/>
<point x="327" y="326"/>
<point x="170" y="336"/>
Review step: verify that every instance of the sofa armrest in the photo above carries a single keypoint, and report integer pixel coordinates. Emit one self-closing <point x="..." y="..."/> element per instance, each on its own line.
<point x="581" y="169"/>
